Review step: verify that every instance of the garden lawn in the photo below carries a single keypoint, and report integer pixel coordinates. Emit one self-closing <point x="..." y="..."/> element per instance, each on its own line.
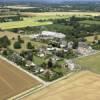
<point x="24" y="45"/>
<point x="38" y="60"/>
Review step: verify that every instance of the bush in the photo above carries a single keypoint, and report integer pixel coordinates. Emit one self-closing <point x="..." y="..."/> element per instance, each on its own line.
<point x="17" y="45"/>
<point x="4" y="42"/>
<point x="99" y="42"/>
<point x="29" y="45"/>
<point x="5" y="53"/>
<point x="20" y="39"/>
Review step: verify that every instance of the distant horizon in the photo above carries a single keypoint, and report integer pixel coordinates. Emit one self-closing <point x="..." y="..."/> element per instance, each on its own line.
<point x="49" y="0"/>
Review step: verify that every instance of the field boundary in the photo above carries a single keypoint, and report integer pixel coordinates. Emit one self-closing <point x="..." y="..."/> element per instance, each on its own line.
<point x="23" y="94"/>
<point x="48" y="84"/>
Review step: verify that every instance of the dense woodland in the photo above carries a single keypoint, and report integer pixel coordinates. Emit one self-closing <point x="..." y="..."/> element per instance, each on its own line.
<point x="10" y="18"/>
<point x="72" y="27"/>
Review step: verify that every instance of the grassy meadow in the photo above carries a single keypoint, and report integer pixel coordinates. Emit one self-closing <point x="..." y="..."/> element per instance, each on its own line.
<point x="21" y="24"/>
<point x="90" y="62"/>
<point x="90" y="22"/>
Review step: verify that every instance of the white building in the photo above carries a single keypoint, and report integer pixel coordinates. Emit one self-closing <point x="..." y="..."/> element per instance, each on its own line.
<point x="63" y="44"/>
<point x="52" y="34"/>
<point x="70" y="64"/>
<point x="48" y="35"/>
<point x="70" y="45"/>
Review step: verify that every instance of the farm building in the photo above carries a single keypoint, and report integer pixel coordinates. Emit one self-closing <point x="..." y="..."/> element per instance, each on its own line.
<point x="53" y="34"/>
<point x="48" y="35"/>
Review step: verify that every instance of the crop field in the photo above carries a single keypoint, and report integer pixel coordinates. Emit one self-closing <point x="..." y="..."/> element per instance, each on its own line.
<point x="21" y="24"/>
<point x="36" y="18"/>
<point x="89" y="22"/>
<point x="84" y="85"/>
<point x="90" y="62"/>
<point x="4" y="16"/>
<point x="63" y="14"/>
<point x="13" y="81"/>
<point x="43" y="16"/>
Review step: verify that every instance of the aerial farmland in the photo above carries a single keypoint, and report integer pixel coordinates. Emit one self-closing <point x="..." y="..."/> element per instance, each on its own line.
<point x="49" y="50"/>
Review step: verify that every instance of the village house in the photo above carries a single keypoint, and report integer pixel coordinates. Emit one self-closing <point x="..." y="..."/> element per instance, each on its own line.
<point x="84" y="48"/>
<point x="70" y="45"/>
<point x="63" y="44"/>
<point x="38" y="70"/>
<point x="30" y="64"/>
<point x="55" y="58"/>
<point x="70" y="64"/>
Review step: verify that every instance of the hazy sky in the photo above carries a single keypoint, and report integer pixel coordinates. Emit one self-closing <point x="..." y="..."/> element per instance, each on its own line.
<point x="53" y="0"/>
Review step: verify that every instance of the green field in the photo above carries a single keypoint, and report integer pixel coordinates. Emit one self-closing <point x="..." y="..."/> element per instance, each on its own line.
<point x="90" y="22"/>
<point x="29" y="22"/>
<point x="90" y="62"/>
<point x="36" y="18"/>
<point x="21" y="24"/>
<point x="32" y="19"/>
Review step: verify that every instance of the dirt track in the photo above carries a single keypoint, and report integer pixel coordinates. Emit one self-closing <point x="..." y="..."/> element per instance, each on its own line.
<point x="13" y="81"/>
<point x="82" y="86"/>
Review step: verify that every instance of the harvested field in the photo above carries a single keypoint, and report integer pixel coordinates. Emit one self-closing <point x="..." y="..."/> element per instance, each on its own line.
<point x="82" y="86"/>
<point x="13" y="81"/>
<point x="62" y="13"/>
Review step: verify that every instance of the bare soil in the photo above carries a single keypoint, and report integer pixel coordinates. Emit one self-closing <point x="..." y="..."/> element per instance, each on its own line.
<point x="13" y="81"/>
